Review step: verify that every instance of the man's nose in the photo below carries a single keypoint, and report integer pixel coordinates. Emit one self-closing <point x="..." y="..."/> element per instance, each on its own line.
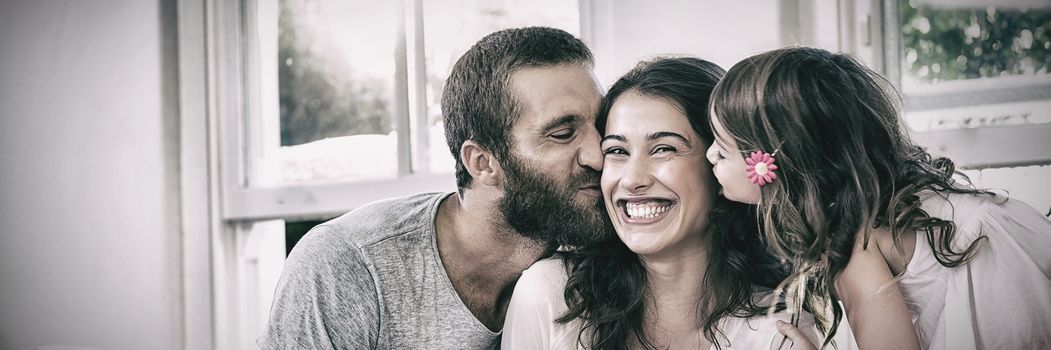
<point x="590" y="154"/>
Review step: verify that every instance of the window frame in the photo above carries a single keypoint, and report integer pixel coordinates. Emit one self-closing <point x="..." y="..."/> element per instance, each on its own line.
<point x="244" y="201"/>
<point x="198" y="174"/>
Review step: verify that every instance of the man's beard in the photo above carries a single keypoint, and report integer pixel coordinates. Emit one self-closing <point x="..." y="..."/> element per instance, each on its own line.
<point x="543" y="209"/>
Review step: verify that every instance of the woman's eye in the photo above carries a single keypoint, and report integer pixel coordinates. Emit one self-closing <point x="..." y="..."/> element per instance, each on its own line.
<point x="614" y="151"/>
<point x="564" y="134"/>
<point x="664" y="149"/>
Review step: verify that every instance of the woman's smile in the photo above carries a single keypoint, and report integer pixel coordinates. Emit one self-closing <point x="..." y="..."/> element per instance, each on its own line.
<point x="644" y="210"/>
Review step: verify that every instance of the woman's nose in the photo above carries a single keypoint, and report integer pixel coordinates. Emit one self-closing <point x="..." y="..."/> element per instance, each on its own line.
<point x="636" y="176"/>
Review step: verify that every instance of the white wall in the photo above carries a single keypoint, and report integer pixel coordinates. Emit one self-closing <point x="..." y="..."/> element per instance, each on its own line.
<point x="1028" y="184"/>
<point x="723" y="32"/>
<point x="88" y="176"/>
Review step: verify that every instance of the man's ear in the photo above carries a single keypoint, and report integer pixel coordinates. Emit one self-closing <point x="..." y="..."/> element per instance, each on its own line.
<point x="480" y="163"/>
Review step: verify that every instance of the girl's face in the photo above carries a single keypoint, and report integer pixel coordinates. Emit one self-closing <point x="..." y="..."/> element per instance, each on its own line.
<point x="657" y="187"/>
<point x="729" y="167"/>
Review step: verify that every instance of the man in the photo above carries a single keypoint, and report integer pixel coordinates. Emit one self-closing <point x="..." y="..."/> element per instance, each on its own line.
<point x="435" y="271"/>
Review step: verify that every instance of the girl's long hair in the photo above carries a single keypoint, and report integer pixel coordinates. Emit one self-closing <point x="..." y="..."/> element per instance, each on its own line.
<point x="607" y="289"/>
<point x="846" y="165"/>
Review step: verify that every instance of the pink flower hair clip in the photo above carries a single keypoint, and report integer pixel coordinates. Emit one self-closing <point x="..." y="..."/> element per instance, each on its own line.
<point x="761" y="168"/>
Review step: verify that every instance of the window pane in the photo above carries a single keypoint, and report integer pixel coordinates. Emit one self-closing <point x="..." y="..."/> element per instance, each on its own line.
<point x="335" y="71"/>
<point x="943" y="41"/>
<point x="452" y="26"/>
<point x="975" y="56"/>
<point x="295" y="230"/>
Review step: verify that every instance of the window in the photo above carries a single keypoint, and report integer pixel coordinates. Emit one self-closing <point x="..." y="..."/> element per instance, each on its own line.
<point x="974" y="75"/>
<point x="340" y="99"/>
<point x="335" y="91"/>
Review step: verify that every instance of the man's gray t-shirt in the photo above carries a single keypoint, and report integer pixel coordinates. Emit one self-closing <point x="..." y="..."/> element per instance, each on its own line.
<point x="372" y="278"/>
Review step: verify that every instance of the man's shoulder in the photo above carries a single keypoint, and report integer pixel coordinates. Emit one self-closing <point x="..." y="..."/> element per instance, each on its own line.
<point x="347" y="240"/>
<point x="382" y="220"/>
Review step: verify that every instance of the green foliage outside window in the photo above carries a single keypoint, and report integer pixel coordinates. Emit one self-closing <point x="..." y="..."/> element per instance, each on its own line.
<point x="320" y="96"/>
<point x="949" y="44"/>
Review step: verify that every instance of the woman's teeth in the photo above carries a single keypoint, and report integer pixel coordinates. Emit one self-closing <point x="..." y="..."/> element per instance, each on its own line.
<point x="645" y="210"/>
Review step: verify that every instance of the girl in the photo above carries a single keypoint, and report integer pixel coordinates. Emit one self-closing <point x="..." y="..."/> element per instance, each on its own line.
<point x="681" y="271"/>
<point x="866" y="217"/>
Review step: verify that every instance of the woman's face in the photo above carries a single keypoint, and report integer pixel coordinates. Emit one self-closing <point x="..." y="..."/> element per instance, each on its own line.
<point x="657" y="186"/>
<point x="729" y="167"/>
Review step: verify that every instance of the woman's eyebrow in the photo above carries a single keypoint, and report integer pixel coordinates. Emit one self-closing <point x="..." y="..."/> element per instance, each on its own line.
<point x="614" y="137"/>
<point x="661" y="134"/>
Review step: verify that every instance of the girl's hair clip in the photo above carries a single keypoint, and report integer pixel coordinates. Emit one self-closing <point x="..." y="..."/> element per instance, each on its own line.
<point x="761" y="167"/>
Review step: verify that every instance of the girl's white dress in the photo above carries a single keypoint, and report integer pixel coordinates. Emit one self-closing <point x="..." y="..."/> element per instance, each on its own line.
<point x="538" y="301"/>
<point x="999" y="300"/>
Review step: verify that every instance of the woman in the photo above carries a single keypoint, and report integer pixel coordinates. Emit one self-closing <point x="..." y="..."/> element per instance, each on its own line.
<point x="685" y="269"/>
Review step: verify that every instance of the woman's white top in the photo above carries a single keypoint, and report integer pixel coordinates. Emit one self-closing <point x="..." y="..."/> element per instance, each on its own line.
<point x="999" y="300"/>
<point x="538" y="300"/>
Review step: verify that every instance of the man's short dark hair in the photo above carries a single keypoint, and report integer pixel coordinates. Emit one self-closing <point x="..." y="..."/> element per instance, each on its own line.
<point x="477" y="101"/>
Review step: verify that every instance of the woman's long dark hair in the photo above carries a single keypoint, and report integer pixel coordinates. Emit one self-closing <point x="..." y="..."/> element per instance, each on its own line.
<point x="846" y="165"/>
<point x="607" y="282"/>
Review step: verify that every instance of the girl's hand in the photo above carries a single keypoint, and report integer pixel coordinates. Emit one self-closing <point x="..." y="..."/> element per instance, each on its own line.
<point x="795" y="339"/>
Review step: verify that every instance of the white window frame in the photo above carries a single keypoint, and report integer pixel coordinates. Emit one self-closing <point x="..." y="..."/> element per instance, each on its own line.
<point x="243" y="201"/>
<point x="201" y="220"/>
<point x="220" y="204"/>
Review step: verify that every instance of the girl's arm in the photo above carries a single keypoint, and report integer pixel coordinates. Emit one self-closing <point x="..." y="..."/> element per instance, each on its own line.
<point x="873" y="301"/>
